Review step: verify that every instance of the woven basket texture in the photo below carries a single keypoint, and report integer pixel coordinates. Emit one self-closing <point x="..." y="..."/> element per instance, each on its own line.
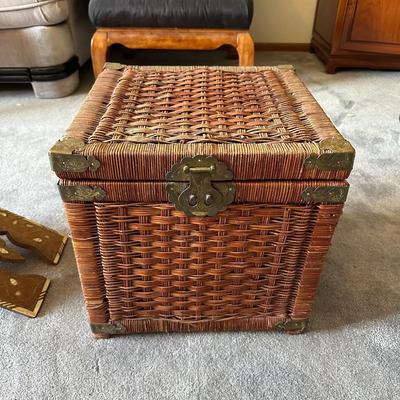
<point x="151" y="268"/>
<point x="204" y="106"/>
<point x="262" y="122"/>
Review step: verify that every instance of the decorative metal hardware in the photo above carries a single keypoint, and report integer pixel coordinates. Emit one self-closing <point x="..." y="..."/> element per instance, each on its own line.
<point x="292" y="326"/>
<point x="200" y="186"/>
<point x="81" y="193"/>
<point x="108" y="329"/>
<point x="114" y="65"/>
<point x="286" y="66"/>
<point x="335" y="155"/>
<point x="325" y="194"/>
<point x="64" y="156"/>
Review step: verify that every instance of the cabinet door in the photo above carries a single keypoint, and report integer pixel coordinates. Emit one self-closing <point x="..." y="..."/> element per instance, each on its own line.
<point x="371" y="26"/>
<point x="325" y="19"/>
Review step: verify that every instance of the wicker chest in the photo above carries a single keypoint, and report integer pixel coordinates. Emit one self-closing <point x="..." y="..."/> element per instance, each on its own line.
<point x="200" y="198"/>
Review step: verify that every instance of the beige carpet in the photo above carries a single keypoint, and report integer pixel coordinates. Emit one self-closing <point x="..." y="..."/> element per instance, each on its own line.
<point x="352" y="350"/>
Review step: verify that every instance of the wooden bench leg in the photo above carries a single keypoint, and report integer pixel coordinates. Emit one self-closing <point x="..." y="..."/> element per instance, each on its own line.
<point x="245" y="49"/>
<point x="170" y="39"/>
<point x="99" y="50"/>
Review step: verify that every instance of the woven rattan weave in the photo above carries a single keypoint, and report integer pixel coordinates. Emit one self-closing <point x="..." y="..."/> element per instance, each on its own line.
<point x="145" y="266"/>
<point x="275" y="124"/>
<point x="151" y="266"/>
<point x="206" y="106"/>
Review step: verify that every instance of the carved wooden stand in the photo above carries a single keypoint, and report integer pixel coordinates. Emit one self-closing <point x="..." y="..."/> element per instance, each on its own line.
<point x="170" y="39"/>
<point x="24" y="294"/>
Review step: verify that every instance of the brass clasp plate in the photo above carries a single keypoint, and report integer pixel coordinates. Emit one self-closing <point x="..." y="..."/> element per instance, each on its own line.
<point x="200" y="186"/>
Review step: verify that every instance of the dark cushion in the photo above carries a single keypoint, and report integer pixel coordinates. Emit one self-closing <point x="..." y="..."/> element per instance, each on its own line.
<point x="219" y="14"/>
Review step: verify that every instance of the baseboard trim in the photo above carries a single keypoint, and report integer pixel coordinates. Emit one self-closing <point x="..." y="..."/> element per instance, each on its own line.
<point x="306" y="47"/>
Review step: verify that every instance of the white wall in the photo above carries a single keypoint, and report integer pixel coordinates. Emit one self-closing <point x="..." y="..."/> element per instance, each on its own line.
<point x="283" y="21"/>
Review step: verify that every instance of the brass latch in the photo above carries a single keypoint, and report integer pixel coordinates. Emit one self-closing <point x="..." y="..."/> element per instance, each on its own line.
<point x="200" y="186"/>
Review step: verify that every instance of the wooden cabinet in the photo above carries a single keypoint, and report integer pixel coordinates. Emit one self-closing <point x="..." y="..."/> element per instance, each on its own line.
<point x="358" y="33"/>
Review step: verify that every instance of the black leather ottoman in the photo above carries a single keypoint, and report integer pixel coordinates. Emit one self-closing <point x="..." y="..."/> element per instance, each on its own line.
<point x="171" y="24"/>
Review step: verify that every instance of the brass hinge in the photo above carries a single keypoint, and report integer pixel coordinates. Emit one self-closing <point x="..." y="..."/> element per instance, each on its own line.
<point x="335" y="155"/>
<point x="81" y="193"/>
<point x="65" y="156"/>
<point x="292" y="326"/>
<point x="325" y="194"/>
<point x="200" y="186"/>
<point x="108" y="329"/>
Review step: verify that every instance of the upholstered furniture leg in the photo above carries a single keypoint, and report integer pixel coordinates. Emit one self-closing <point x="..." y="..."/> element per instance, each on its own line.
<point x="56" y="89"/>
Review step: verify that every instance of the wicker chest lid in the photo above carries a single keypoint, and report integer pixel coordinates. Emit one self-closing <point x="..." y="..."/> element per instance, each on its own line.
<point x="261" y="122"/>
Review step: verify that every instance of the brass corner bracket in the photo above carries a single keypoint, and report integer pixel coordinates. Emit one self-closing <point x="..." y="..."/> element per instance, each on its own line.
<point x="289" y="67"/>
<point x="114" y="65"/>
<point x="335" y="155"/>
<point x="325" y="194"/>
<point x="71" y="194"/>
<point x="65" y="156"/>
<point x="292" y="327"/>
<point x="108" y="329"/>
